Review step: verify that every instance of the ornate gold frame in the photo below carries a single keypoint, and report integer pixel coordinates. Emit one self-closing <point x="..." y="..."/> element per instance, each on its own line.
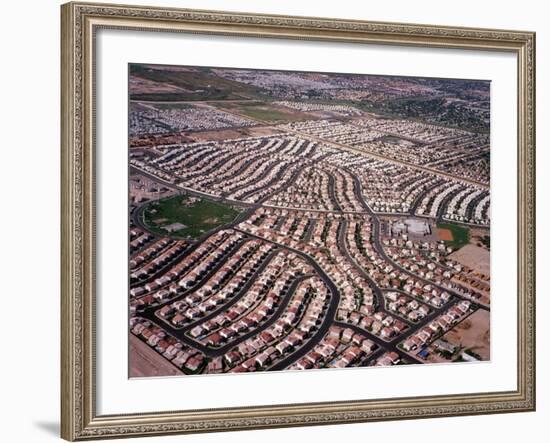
<point x="79" y="420"/>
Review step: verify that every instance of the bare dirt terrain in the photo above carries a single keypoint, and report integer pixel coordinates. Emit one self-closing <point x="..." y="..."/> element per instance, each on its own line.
<point x="434" y="357"/>
<point x="145" y="362"/>
<point x="473" y="333"/>
<point x="160" y="139"/>
<point x="145" y="86"/>
<point x="480" y="237"/>
<point x="474" y="257"/>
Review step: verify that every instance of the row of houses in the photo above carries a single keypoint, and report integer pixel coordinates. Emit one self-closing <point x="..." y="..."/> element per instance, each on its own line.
<point x="151" y="120"/>
<point x="405" y="306"/>
<point x="339" y="348"/>
<point x="154" y="258"/>
<point x="300" y="319"/>
<point x="181" y="355"/>
<point x="438" y="326"/>
<point x="254" y="306"/>
<point x="247" y="168"/>
<point x="187" y="271"/>
<point x="387" y="274"/>
<point x="381" y="324"/>
<point x="220" y="287"/>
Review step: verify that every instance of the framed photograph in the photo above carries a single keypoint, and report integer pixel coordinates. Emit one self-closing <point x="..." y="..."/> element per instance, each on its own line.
<point x="282" y="221"/>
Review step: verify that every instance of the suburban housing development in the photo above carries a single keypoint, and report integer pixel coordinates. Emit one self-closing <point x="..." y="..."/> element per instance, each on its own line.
<point x="290" y="220"/>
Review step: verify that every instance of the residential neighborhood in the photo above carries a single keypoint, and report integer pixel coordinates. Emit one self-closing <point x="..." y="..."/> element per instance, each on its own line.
<point x="290" y="221"/>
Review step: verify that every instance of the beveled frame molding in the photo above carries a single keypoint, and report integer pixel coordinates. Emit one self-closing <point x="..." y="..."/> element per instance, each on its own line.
<point x="79" y="22"/>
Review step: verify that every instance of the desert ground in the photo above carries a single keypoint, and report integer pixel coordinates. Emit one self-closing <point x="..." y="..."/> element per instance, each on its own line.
<point x="474" y="257"/>
<point x="145" y="362"/>
<point x="473" y="333"/>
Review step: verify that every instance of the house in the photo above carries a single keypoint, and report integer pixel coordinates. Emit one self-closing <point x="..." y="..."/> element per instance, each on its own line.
<point x="227" y="333"/>
<point x="394" y="357"/>
<point x="196" y="331"/>
<point x="314" y="357"/>
<point x="282" y="347"/>
<point x="409" y="345"/>
<point x="347" y="335"/>
<point x="179" y="320"/>
<point x="232" y="357"/>
<point x="304" y="363"/>
<point x="262" y="359"/>
<point x="387" y="332"/>
<point x="215" y="339"/>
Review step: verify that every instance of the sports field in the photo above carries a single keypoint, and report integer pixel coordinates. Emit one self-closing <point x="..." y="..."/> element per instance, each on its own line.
<point x="184" y="216"/>
<point x="454" y="236"/>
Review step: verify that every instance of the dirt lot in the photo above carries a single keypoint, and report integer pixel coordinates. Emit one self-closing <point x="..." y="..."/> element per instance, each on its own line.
<point x="480" y="237"/>
<point x="145" y="362"/>
<point x="140" y="85"/>
<point x="444" y="234"/>
<point x="474" y="257"/>
<point x="160" y="139"/>
<point x="473" y="333"/>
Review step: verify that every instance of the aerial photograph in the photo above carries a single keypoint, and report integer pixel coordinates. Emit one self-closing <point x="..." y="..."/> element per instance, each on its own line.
<point x="285" y="220"/>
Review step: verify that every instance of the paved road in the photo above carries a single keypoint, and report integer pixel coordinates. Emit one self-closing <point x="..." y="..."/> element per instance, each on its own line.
<point x="418" y="201"/>
<point x="332" y="192"/>
<point x="342" y="243"/>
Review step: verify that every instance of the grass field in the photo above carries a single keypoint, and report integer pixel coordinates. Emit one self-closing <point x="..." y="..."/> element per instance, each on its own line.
<point x="461" y="235"/>
<point x="197" y="215"/>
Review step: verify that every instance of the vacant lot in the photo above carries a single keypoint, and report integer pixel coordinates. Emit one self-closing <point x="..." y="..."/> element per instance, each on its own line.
<point x="146" y="362"/>
<point x="481" y="237"/>
<point x="159" y="139"/>
<point x="192" y="84"/>
<point x="197" y="215"/>
<point x="474" y="257"/>
<point x="145" y="86"/>
<point x="473" y="334"/>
